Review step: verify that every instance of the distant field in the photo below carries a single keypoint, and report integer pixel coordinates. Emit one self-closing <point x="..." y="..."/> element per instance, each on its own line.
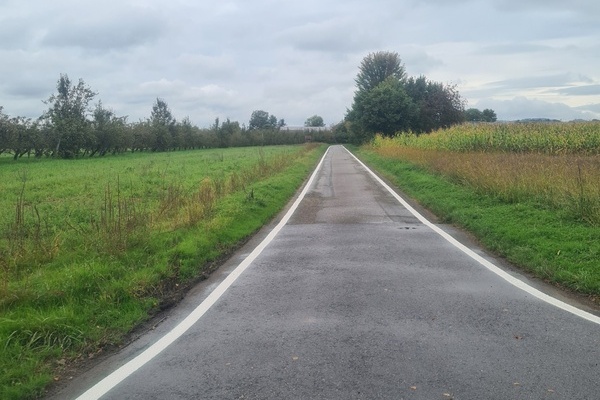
<point x="89" y="247"/>
<point x="530" y="192"/>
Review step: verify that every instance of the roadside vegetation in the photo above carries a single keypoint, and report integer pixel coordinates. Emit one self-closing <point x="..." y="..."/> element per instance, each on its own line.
<point x="90" y="248"/>
<point x="529" y="192"/>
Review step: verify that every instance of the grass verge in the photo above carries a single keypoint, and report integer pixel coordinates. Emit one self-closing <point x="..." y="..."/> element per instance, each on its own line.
<point x="120" y="260"/>
<point x="546" y="242"/>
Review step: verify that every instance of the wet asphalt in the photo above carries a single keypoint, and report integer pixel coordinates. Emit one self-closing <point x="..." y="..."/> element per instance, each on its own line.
<point x="356" y="299"/>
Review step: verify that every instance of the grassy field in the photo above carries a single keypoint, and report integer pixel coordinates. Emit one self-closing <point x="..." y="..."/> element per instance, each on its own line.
<point x="89" y="248"/>
<point x="539" y="208"/>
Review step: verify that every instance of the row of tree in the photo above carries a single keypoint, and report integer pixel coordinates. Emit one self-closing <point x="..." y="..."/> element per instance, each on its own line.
<point x="70" y="128"/>
<point x="387" y="101"/>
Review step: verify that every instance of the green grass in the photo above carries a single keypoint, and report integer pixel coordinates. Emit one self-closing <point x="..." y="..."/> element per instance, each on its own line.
<point x="547" y="242"/>
<point x="115" y="238"/>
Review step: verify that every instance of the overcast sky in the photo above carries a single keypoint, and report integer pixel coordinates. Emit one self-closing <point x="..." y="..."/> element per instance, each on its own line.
<point x="294" y="59"/>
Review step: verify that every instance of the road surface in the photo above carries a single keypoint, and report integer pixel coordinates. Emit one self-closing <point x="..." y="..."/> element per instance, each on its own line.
<point x="356" y="298"/>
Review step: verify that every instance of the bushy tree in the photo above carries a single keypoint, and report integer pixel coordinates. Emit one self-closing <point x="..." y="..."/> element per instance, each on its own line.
<point x="381" y="74"/>
<point x="314" y="121"/>
<point x="4" y="132"/>
<point x="386" y="101"/>
<point x="109" y="131"/>
<point x="187" y="134"/>
<point x="261" y="119"/>
<point x="489" y="115"/>
<point x="439" y="105"/>
<point x="230" y="134"/>
<point x="476" y="115"/>
<point x="21" y="133"/>
<point x="67" y="116"/>
<point x="377" y="67"/>
<point x="385" y="109"/>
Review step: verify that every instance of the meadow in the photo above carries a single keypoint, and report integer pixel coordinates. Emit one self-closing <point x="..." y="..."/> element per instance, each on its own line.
<point x="90" y="248"/>
<point x="529" y="192"/>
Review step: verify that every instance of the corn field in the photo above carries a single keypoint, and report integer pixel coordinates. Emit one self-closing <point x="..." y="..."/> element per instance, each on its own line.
<point x="555" y="165"/>
<point x="544" y="138"/>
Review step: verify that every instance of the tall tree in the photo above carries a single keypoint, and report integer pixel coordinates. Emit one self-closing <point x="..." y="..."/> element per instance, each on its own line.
<point x="377" y="67"/>
<point x="67" y="115"/>
<point x="380" y="74"/>
<point x="163" y="125"/>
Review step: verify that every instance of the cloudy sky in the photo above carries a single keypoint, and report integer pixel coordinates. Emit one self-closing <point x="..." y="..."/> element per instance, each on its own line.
<point x="294" y="59"/>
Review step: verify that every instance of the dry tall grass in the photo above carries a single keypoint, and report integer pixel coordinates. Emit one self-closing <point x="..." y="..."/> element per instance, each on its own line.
<point x="564" y="181"/>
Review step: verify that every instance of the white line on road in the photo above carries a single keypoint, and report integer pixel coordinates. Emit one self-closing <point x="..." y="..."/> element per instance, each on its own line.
<point x="112" y="380"/>
<point x="498" y="271"/>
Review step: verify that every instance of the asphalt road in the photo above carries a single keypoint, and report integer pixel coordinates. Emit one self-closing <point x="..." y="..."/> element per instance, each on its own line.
<point x="356" y="298"/>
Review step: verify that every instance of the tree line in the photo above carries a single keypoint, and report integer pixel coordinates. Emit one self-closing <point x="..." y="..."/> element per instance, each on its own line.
<point x="72" y="128"/>
<point x="386" y="101"/>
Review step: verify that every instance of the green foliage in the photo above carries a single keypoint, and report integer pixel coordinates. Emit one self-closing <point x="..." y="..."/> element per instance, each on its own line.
<point x="476" y="115"/>
<point x="439" y="105"/>
<point x="262" y="120"/>
<point x="387" y="108"/>
<point x="109" y="131"/>
<point x="70" y="129"/>
<point x="387" y="102"/>
<point x="163" y="127"/>
<point x="376" y="68"/>
<point x="314" y="121"/>
<point x="67" y="117"/>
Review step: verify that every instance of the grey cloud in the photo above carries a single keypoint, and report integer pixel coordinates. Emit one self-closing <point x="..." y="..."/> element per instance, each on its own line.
<point x="511" y="48"/>
<point x="586" y="90"/>
<point x="334" y="35"/>
<point x="209" y="67"/>
<point x="594" y="108"/>
<point x="224" y="58"/>
<point x="420" y="63"/>
<point x="14" y="34"/>
<point x="522" y="108"/>
<point x="574" y="6"/>
<point x="27" y="89"/>
<point x="543" y="81"/>
<point x="96" y="35"/>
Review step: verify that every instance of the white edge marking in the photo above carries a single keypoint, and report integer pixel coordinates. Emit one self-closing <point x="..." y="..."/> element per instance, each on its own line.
<point x="490" y="266"/>
<point x="112" y="380"/>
